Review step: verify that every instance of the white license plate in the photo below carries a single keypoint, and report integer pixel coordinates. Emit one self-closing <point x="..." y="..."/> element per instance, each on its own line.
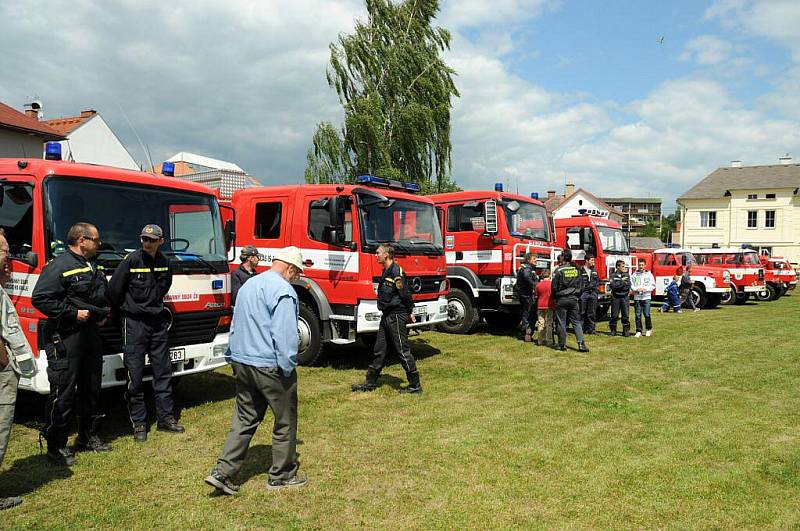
<point x="175" y="355"/>
<point x="420" y="310"/>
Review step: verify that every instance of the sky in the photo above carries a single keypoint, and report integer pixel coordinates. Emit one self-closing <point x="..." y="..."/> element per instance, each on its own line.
<point x="622" y="98"/>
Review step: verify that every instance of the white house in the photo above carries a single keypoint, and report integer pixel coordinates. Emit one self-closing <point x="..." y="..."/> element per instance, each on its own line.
<point x="575" y="202"/>
<point x="91" y="140"/>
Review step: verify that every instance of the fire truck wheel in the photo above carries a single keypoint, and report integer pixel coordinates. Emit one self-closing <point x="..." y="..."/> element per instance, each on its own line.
<point x="699" y="296"/>
<point x="712" y="300"/>
<point x="729" y="297"/>
<point x="462" y="316"/>
<point x="308" y="329"/>
<point x="782" y="290"/>
<point x="769" y="293"/>
<point x="741" y="298"/>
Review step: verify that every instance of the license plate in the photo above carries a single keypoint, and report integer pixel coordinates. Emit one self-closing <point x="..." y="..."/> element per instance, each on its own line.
<point x="175" y="355"/>
<point x="420" y="310"/>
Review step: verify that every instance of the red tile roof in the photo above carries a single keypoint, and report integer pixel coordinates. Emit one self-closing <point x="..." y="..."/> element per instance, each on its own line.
<point x="11" y="118"/>
<point x="68" y="124"/>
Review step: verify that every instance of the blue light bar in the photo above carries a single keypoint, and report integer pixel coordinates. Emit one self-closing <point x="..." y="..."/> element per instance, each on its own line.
<point x="168" y="169"/>
<point x="371" y="180"/>
<point x="52" y="151"/>
<point x="498" y="187"/>
<point x="534" y="195"/>
<point x="412" y="187"/>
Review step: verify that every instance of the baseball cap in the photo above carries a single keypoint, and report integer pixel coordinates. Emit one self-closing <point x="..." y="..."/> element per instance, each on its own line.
<point x="290" y="255"/>
<point x="249" y="250"/>
<point x="153" y="232"/>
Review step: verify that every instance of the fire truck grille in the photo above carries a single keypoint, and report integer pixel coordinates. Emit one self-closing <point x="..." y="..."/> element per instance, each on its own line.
<point x="420" y="285"/>
<point x="187" y="329"/>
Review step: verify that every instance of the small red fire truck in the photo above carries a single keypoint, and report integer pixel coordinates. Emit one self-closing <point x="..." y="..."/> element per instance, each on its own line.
<point x="338" y="228"/>
<point x="41" y="199"/>
<point x="778" y="276"/>
<point x="487" y="234"/>
<point x="709" y="284"/>
<point x="744" y="266"/>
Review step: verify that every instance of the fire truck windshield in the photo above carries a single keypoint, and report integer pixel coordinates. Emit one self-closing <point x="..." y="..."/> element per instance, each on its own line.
<point x="751" y="259"/>
<point x="612" y="240"/>
<point x="191" y="221"/>
<point x="527" y="220"/>
<point x="410" y="226"/>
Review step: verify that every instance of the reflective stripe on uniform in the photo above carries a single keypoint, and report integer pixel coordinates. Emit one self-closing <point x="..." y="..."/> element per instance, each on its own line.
<point x="141" y="270"/>
<point x="160" y="269"/>
<point x="72" y="272"/>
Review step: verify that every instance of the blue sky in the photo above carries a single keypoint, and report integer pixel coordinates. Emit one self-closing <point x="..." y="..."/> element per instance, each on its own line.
<point x="551" y="90"/>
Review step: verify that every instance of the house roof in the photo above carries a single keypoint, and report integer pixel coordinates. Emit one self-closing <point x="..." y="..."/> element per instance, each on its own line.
<point x="646" y="242"/>
<point x="720" y="181"/>
<point x="632" y="200"/>
<point x="552" y="203"/>
<point x="68" y="124"/>
<point x="11" y="118"/>
<point x="206" y="162"/>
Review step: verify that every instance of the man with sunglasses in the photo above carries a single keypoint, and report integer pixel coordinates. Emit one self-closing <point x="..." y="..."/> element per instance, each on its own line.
<point x="72" y="293"/>
<point x="137" y="290"/>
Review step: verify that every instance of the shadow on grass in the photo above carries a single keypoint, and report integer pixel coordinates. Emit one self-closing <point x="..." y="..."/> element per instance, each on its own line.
<point x="358" y="356"/>
<point x="29" y="474"/>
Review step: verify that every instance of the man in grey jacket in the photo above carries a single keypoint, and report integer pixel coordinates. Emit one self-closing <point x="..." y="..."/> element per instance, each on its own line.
<point x="16" y="359"/>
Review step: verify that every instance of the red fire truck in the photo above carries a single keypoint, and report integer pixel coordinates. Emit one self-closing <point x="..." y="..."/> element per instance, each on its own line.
<point x="592" y="233"/>
<point x="709" y="284"/>
<point x="744" y="266"/>
<point x="338" y="229"/>
<point x="41" y="199"/>
<point x="778" y="276"/>
<point x="486" y="237"/>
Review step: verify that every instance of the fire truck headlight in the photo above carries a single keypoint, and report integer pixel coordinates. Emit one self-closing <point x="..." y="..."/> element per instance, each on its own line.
<point x="375" y="287"/>
<point x="373" y="316"/>
<point x="726" y="276"/>
<point x="443" y="308"/>
<point x="220" y="350"/>
<point x="508" y="288"/>
<point x="444" y="285"/>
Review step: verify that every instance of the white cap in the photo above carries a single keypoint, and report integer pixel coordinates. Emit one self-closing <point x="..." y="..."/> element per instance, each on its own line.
<point x="290" y="255"/>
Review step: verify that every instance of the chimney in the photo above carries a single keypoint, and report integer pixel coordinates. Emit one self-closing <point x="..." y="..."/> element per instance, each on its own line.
<point x="33" y="109"/>
<point x="736" y="164"/>
<point x="785" y="160"/>
<point x="87" y="113"/>
<point x="569" y="189"/>
<point x="551" y="194"/>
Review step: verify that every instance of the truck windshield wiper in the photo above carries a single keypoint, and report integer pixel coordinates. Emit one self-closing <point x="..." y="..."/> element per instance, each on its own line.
<point x="195" y="259"/>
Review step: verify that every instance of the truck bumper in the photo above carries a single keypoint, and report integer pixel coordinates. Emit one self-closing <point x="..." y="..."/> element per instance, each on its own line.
<point x="754" y="289"/>
<point x="718" y="290"/>
<point x="427" y="313"/>
<point x="197" y="358"/>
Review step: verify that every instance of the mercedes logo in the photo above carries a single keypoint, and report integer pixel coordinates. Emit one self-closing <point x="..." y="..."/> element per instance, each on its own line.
<point x="416" y="284"/>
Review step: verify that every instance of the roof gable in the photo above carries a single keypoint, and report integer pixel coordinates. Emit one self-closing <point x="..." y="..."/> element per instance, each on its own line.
<point x="11" y="118"/>
<point x="68" y="124"/>
<point x="720" y="181"/>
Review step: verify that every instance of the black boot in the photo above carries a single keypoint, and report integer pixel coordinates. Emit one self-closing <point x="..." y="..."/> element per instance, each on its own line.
<point x="88" y="440"/>
<point x="414" y="386"/>
<point x="370" y="382"/>
<point x="613" y="331"/>
<point x="169" y="425"/>
<point x="60" y="456"/>
<point x="582" y="347"/>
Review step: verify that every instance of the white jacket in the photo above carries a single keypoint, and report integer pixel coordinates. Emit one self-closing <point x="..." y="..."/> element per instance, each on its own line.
<point x="642" y="279"/>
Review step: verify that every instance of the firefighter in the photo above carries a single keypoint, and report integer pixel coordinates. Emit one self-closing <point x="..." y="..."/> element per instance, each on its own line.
<point x="137" y="290"/>
<point x="566" y="288"/>
<point x="620" y="284"/>
<point x="72" y="293"/>
<point x="394" y="300"/>
<point x="525" y="288"/>
<point x="247" y="270"/>
<point x="590" y="283"/>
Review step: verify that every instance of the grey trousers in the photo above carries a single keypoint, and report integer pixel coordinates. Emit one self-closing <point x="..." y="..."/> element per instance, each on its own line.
<point x="256" y="390"/>
<point x="9" y="380"/>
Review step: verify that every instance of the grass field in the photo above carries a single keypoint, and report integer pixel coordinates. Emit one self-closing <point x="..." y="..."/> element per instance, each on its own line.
<point x="695" y="427"/>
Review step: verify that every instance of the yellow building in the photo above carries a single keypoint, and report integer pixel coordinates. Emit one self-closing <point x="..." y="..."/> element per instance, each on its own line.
<point x="757" y="205"/>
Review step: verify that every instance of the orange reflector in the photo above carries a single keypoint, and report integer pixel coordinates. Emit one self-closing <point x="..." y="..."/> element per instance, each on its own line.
<point x="224" y="320"/>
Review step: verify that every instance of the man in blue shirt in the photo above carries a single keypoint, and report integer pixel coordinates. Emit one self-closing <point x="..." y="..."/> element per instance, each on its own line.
<point x="263" y="355"/>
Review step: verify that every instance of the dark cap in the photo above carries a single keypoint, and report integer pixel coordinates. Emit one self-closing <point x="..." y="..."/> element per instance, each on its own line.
<point x="249" y="250"/>
<point x="153" y="232"/>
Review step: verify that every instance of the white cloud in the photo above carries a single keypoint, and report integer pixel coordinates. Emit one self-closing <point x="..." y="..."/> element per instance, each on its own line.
<point x="707" y="50"/>
<point x="776" y="20"/>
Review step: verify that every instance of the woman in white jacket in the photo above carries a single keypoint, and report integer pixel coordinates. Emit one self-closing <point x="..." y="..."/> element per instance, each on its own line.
<point x="642" y="285"/>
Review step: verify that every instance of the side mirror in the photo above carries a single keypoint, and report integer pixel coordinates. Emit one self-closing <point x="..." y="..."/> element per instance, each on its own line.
<point x="490" y="217"/>
<point x="31" y="258"/>
<point x="230" y="234"/>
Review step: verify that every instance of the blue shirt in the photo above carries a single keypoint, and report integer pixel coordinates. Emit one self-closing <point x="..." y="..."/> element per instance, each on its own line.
<point x="264" y="328"/>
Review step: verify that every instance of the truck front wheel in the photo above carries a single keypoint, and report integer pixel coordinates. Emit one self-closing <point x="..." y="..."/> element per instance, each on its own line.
<point x="712" y="300"/>
<point x="769" y="293"/>
<point x="729" y="297"/>
<point x="462" y="316"/>
<point x="699" y="296"/>
<point x="310" y="332"/>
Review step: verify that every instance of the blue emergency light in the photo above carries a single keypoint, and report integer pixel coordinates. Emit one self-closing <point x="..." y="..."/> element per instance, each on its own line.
<point x="534" y="195"/>
<point x="498" y="187"/>
<point x="371" y="180"/>
<point x="168" y="169"/>
<point x="216" y="284"/>
<point x="52" y="151"/>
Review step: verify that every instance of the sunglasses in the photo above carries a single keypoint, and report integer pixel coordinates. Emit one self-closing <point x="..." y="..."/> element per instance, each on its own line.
<point x="95" y="240"/>
<point x="145" y="239"/>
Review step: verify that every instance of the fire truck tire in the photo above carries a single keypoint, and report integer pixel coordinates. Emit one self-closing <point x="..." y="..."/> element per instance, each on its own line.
<point x="769" y="293"/>
<point x="712" y="300"/>
<point x="310" y="332"/>
<point x="462" y="316"/>
<point x="699" y="295"/>
<point x="729" y="297"/>
<point x="741" y="298"/>
<point x="784" y="290"/>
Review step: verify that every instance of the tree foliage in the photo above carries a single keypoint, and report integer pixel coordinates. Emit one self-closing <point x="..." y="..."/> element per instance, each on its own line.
<point x="396" y="92"/>
<point x="668" y="225"/>
<point x="650" y="230"/>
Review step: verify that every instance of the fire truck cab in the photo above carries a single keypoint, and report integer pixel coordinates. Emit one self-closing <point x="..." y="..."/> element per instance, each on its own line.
<point x="593" y="234"/>
<point x="778" y="276"/>
<point x="708" y="284"/>
<point x="486" y="237"/>
<point x="41" y="199"/>
<point x="338" y="228"/>
<point x="743" y="265"/>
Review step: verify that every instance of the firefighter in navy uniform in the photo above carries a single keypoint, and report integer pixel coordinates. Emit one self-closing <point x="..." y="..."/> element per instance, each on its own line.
<point x="525" y="288"/>
<point x="137" y="289"/>
<point x="72" y="293"/>
<point x="590" y="284"/>
<point x="566" y="288"/>
<point x="394" y="300"/>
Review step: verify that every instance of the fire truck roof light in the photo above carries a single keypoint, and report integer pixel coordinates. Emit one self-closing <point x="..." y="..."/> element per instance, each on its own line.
<point x="534" y="195"/>
<point x="371" y="180"/>
<point x="52" y="151"/>
<point x="168" y="169"/>
<point x="498" y="187"/>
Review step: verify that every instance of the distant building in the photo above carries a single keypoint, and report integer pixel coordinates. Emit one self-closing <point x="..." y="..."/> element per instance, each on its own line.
<point x="575" y="202"/>
<point x="221" y="175"/>
<point x="22" y="135"/>
<point x="636" y="212"/>
<point x="645" y="243"/>
<point x="736" y="205"/>
<point x="91" y="140"/>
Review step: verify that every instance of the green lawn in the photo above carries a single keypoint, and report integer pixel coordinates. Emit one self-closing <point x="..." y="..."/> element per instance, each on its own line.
<point x="697" y="426"/>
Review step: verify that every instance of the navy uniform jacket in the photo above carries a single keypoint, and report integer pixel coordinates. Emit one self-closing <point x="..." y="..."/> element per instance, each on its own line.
<point x="69" y="283"/>
<point x="590" y="282"/>
<point x="238" y="278"/>
<point x="526" y="280"/>
<point x="393" y="292"/>
<point x="620" y="284"/>
<point x="566" y="282"/>
<point x="140" y="283"/>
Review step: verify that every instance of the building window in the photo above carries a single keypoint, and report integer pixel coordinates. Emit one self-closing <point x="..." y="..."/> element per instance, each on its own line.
<point x="268" y="220"/>
<point x="752" y="196"/>
<point x="770" y="196"/>
<point x="752" y="219"/>
<point x="708" y="220"/>
<point x="769" y="219"/>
